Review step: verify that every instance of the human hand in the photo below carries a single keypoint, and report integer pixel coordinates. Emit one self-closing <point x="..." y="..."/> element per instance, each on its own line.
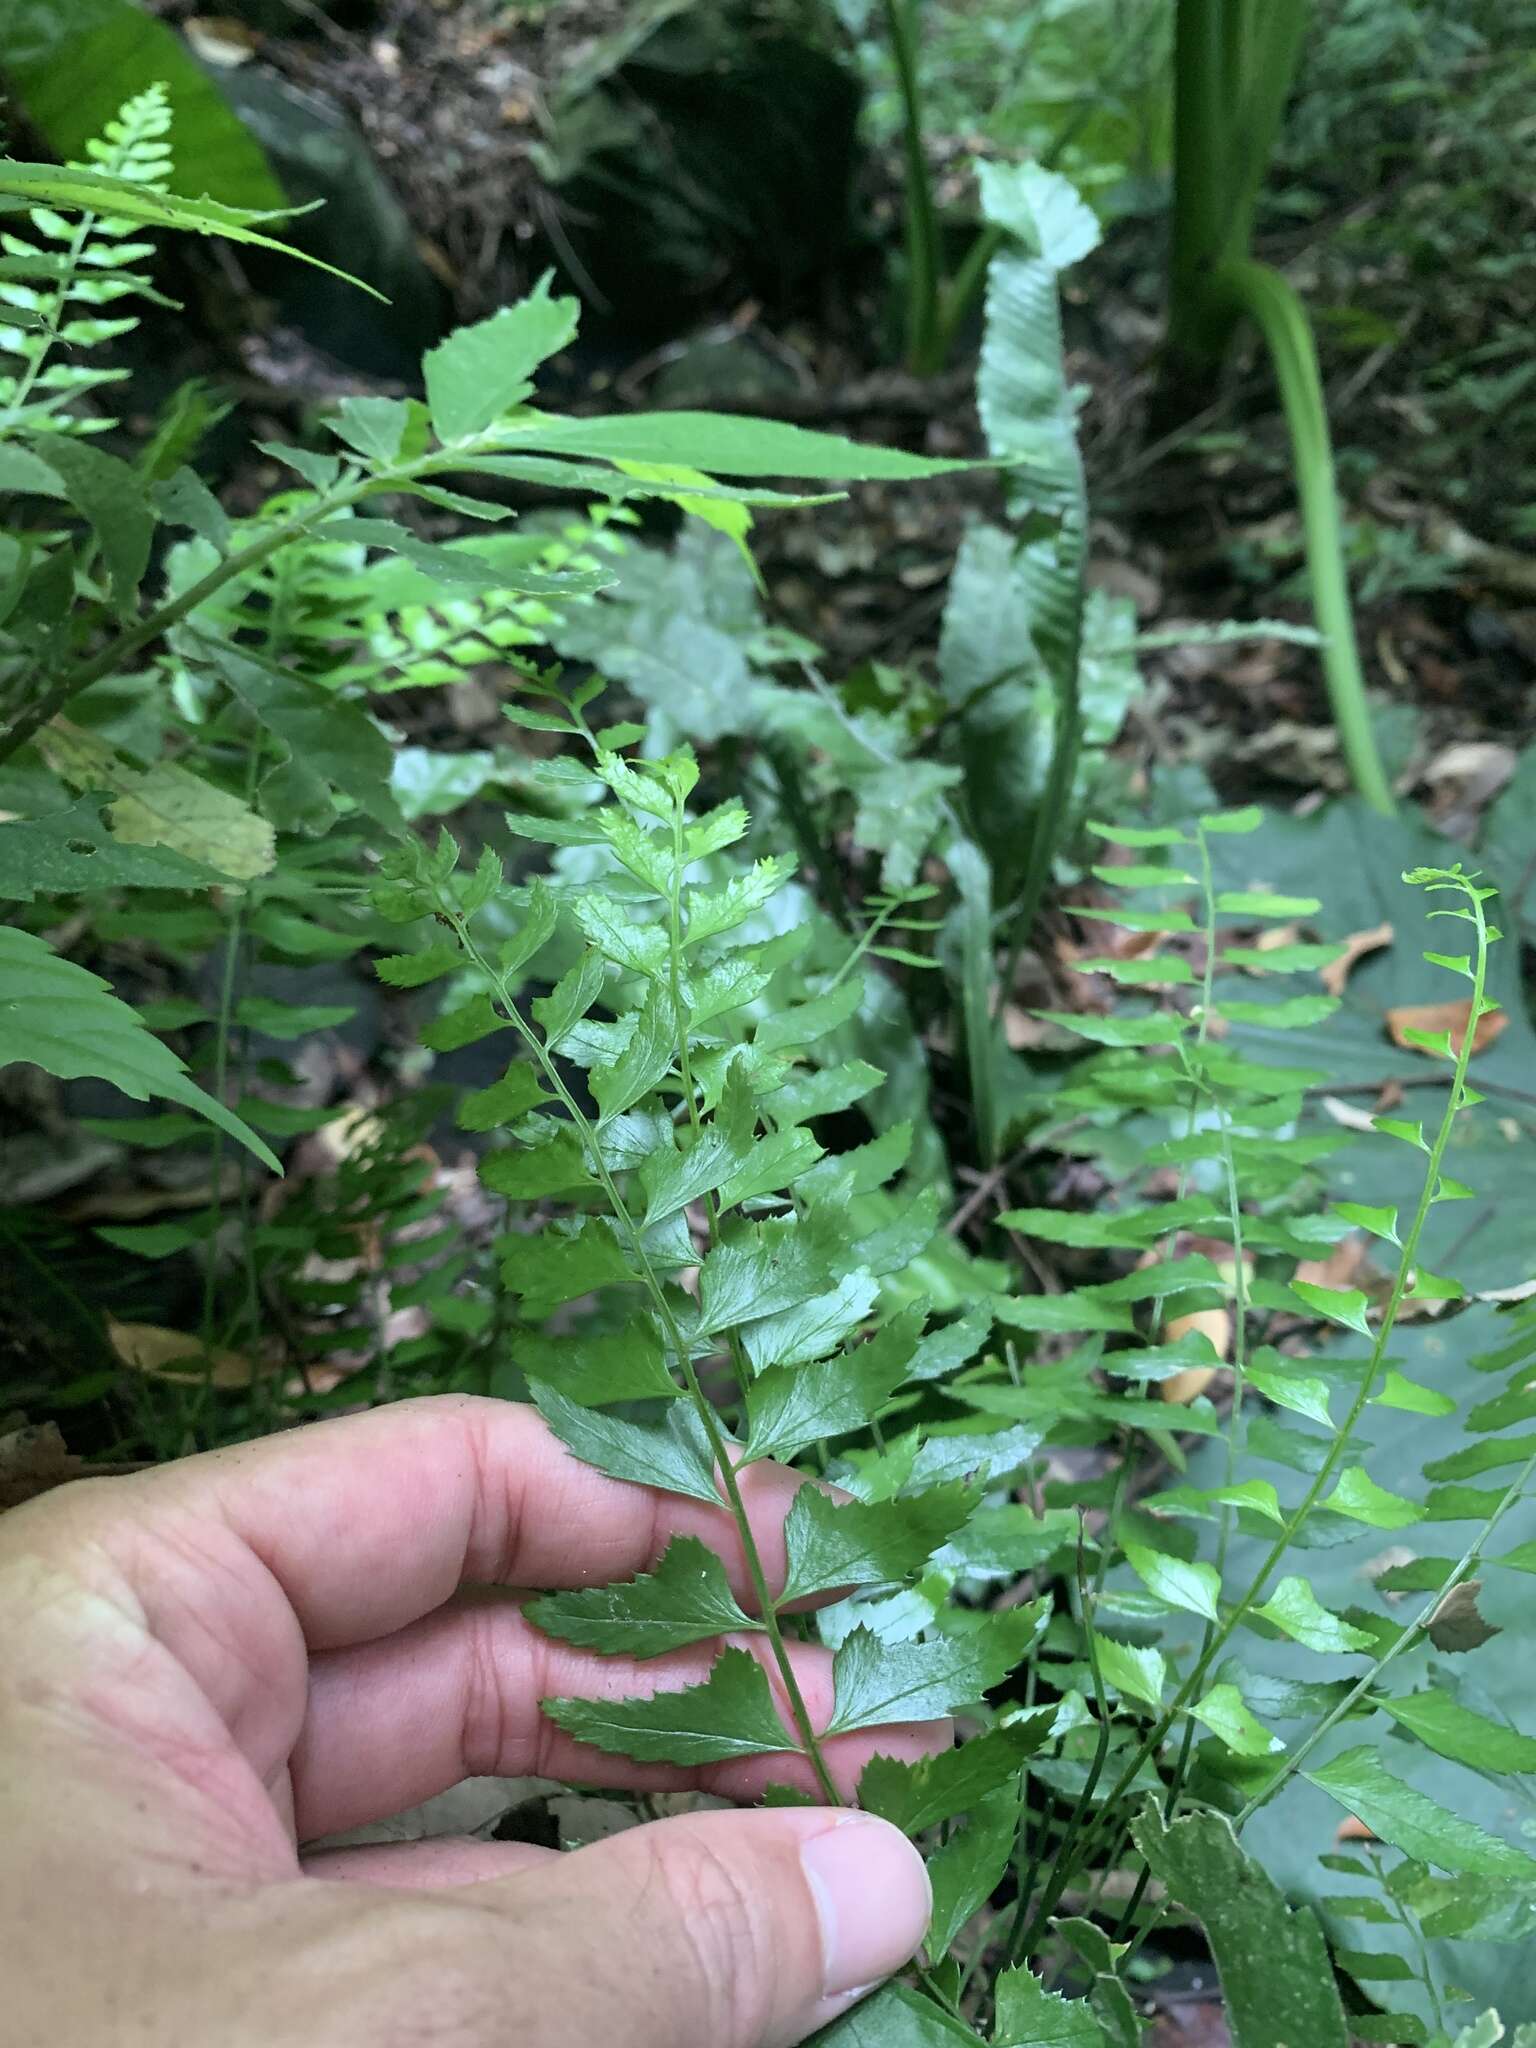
<point x="207" y="1665"/>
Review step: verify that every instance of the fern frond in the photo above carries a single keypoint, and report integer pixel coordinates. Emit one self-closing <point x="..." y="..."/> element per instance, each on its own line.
<point x="61" y="290"/>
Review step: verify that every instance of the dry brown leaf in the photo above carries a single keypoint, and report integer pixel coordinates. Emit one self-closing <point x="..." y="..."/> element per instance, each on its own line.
<point x="1025" y="1033"/>
<point x="1356" y="946"/>
<point x="1215" y="1325"/>
<point x="1520" y="1292"/>
<point x="1352" y="1829"/>
<point x="1464" y="779"/>
<point x="119" y="1204"/>
<point x="1346" y="1114"/>
<point x="178" y="1356"/>
<point x="1456" y="1623"/>
<point x="1347" y="1265"/>
<point x="33" y="1459"/>
<point x="1452" y="1017"/>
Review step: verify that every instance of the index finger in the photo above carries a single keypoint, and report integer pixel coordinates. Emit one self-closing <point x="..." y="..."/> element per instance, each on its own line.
<point x="371" y="1521"/>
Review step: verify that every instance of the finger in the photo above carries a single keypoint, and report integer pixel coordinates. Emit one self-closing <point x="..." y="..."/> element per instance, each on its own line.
<point x="351" y="1529"/>
<point x="716" y="1930"/>
<point x="371" y="1520"/>
<point x="416" y="1866"/>
<point x="457" y="1696"/>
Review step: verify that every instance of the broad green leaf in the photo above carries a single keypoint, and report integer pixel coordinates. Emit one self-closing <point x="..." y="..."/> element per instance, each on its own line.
<point x="727" y="444"/>
<point x="1296" y="1611"/>
<point x="789" y="1407"/>
<point x="1223" y="1712"/>
<point x="830" y="1545"/>
<point x="1139" y="1673"/>
<point x="916" y="1797"/>
<point x="877" y="1683"/>
<point x="1444" y="1725"/>
<point x="674" y="1455"/>
<point x="686" y="1599"/>
<point x="1029" y="2016"/>
<point x="1195" y="1588"/>
<point x="1357" y="1495"/>
<point x="61" y="1017"/>
<point x="73" y="67"/>
<point x="480" y="373"/>
<point x="971" y="1865"/>
<point x="731" y="1714"/>
<point x="1275" y="1973"/>
<point x="1411" y="1821"/>
<point x="70" y="852"/>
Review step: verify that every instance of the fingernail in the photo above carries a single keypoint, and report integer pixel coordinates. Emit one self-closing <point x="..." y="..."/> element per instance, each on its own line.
<point x="873" y="1898"/>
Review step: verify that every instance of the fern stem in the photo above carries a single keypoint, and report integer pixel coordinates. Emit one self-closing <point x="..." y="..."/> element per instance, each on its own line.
<point x="1071" y="1841"/>
<point x="767" y="1609"/>
<point x="1409" y="1637"/>
<point x="1329" y="1466"/>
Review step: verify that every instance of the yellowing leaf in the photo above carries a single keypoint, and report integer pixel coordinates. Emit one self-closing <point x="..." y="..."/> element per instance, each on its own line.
<point x="1356" y="947"/>
<point x="166" y="805"/>
<point x="1410" y="1023"/>
<point x="177" y="1356"/>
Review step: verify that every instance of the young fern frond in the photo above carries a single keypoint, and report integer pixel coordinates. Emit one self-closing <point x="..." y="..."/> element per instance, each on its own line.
<point x="86" y="264"/>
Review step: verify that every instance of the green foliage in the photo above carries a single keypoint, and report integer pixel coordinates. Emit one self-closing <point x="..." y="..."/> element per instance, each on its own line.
<point x="684" y="1169"/>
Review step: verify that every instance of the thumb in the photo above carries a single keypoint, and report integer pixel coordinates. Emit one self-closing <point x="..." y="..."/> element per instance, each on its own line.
<point x="717" y="1930"/>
